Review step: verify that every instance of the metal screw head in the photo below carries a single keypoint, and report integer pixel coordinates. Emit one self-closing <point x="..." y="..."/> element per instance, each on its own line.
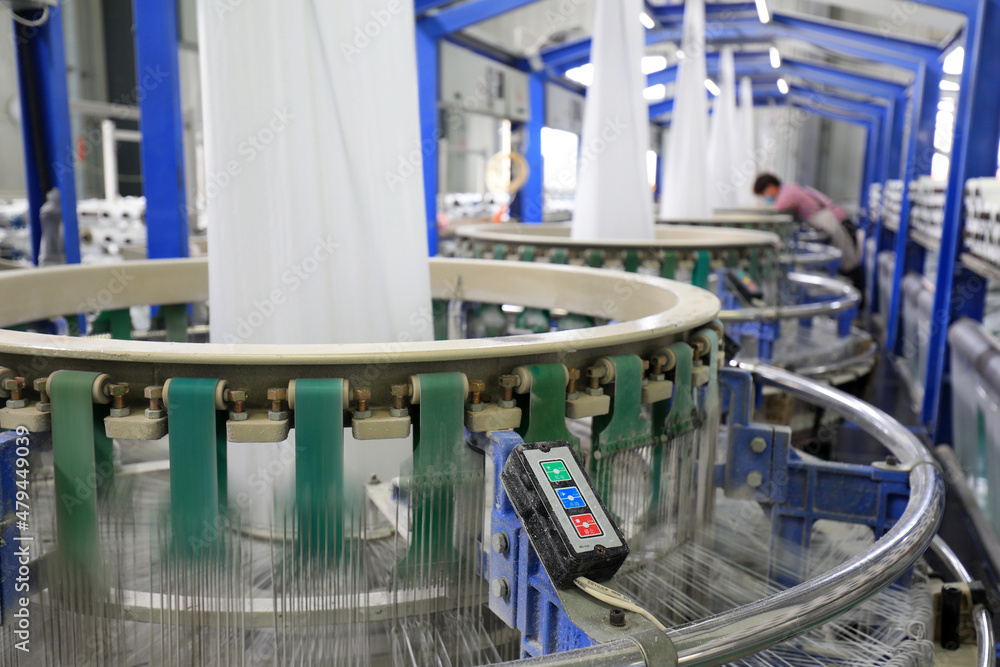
<point x="754" y="479"/>
<point x="153" y="392"/>
<point x="891" y="460"/>
<point x="595" y="372"/>
<point x="573" y="374"/>
<point x="500" y="588"/>
<point x="510" y="381"/>
<point x="39" y="385"/>
<point x="758" y="445"/>
<point x="399" y="390"/>
<point x="238" y="416"/>
<point x="500" y="543"/>
<point x="237" y="395"/>
<point x="616" y="617"/>
<point x="362" y="394"/>
<point x="277" y="394"/>
<point x="477" y="386"/>
<point x="120" y="389"/>
<point x="12" y="384"/>
<point x="154" y="414"/>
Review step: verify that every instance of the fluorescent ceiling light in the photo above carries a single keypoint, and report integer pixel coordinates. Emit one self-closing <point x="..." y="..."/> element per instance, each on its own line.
<point x="763" y="13"/>
<point x="647" y="20"/>
<point x="948" y="85"/>
<point x="775" y="57"/>
<point x="783" y="86"/>
<point x="712" y="88"/>
<point x="652" y="64"/>
<point x="655" y="93"/>
<point x="954" y="61"/>
<point x="584" y="74"/>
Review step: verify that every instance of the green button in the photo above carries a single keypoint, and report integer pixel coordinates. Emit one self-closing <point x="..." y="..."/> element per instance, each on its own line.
<point x="556" y="470"/>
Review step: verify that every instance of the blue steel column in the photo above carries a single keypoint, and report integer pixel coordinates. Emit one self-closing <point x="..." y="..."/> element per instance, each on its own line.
<point x="531" y="199"/>
<point x="161" y="122"/>
<point x="45" y="125"/>
<point x="910" y="255"/>
<point x="974" y="154"/>
<point x="428" y="77"/>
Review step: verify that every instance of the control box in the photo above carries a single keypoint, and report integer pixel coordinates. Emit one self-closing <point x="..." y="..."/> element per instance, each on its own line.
<point x="744" y="284"/>
<point x="565" y="519"/>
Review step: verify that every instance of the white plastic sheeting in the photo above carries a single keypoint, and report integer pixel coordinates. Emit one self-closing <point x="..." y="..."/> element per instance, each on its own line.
<point x="315" y="207"/>
<point x="613" y="199"/>
<point x="685" y="169"/>
<point x="723" y="144"/>
<point x="746" y="157"/>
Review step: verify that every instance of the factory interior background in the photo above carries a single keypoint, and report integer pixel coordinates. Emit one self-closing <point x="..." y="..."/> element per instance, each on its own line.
<point x="468" y="332"/>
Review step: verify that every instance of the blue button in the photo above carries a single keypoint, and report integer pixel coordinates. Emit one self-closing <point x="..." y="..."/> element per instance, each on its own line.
<point x="571" y="498"/>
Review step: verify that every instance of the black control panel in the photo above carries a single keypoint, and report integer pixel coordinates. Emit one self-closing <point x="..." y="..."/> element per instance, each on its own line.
<point x="744" y="284"/>
<point x="566" y="521"/>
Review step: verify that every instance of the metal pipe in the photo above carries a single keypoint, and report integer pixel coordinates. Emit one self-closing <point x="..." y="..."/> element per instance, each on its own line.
<point x="848" y="298"/>
<point x="753" y="627"/>
<point x="956" y="478"/>
<point x="857" y="360"/>
<point x="985" y="644"/>
<point x="110" y="148"/>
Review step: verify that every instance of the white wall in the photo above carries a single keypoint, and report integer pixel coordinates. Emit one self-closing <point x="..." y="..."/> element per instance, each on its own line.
<point x="11" y="155"/>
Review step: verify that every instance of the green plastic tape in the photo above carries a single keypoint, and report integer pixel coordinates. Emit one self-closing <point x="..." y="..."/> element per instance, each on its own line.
<point x="438" y="445"/>
<point x="623" y="428"/>
<point x="702" y="267"/>
<point x="632" y="261"/>
<point x="668" y="267"/>
<point x="197" y="464"/>
<point x="560" y="256"/>
<point x="543" y="409"/>
<point x="84" y="469"/>
<point x="116" y="322"/>
<point x="175" y="321"/>
<point x="319" y="466"/>
<point x="528" y="253"/>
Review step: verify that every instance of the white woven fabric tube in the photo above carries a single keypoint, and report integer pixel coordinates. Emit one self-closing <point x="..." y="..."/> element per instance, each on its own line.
<point x="685" y="169"/>
<point x="746" y="158"/>
<point x="613" y="200"/>
<point x="722" y="137"/>
<point x="312" y="147"/>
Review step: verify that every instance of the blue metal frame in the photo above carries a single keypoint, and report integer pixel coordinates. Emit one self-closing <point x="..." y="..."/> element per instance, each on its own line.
<point x="530" y="201"/>
<point x="959" y="293"/>
<point x="162" y="125"/>
<point x="45" y="126"/>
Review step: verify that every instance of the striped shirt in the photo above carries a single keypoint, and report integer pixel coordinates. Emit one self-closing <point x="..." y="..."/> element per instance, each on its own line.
<point x="805" y="202"/>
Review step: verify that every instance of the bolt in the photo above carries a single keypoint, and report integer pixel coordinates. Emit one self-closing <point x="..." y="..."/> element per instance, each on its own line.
<point x="657" y="364"/>
<point x="362" y="395"/>
<point x="238" y="397"/>
<point x="758" y="445"/>
<point x="574" y="375"/>
<point x="500" y="543"/>
<point x="117" y="393"/>
<point x="616" y="617"/>
<point x="600" y="550"/>
<point x="43" y="404"/>
<point x="155" y="396"/>
<point x="399" y="392"/>
<point x="15" y="387"/>
<point x="594" y="375"/>
<point x="508" y="382"/>
<point x="39" y="385"/>
<point x="755" y="479"/>
<point x="277" y="396"/>
<point x="891" y="461"/>
<point x="476" y="388"/>
<point x="500" y="588"/>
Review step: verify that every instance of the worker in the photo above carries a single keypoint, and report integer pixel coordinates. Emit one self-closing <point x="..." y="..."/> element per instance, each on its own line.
<point x="817" y="210"/>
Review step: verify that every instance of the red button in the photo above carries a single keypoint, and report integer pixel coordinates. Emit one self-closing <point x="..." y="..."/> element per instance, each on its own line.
<point x="586" y="526"/>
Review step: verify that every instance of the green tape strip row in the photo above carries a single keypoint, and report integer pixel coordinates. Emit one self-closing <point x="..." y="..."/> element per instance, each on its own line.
<point x="197" y="464"/>
<point x="702" y="268"/>
<point x="543" y="408"/>
<point x="84" y="470"/>
<point x="632" y="261"/>
<point x="668" y="268"/>
<point x="319" y="466"/>
<point x="116" y="322"/>
<point x="175" y="321"/>
<point x="528" y="253"/>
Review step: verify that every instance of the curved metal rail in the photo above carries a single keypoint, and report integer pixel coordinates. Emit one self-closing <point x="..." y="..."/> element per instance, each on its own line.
<point x="985" y="646"/>
<point x="812" y="254"/>
<point x="847" y="298"/>
<point x="754" y="627"/>
<point x="679" y="237"/>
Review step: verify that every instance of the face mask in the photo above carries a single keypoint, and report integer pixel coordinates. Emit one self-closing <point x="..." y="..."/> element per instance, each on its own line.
<point x="769" y="200"/>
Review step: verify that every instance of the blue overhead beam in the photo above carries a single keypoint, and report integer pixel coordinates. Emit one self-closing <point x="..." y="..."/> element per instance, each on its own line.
<point x="162" y="125"/>
<point x="428" y="77"/>
<point x="467" y="14"/>
<point x="423" y="6"/>
<point x="884" y="47"/>
<point x="718" y="11"/>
